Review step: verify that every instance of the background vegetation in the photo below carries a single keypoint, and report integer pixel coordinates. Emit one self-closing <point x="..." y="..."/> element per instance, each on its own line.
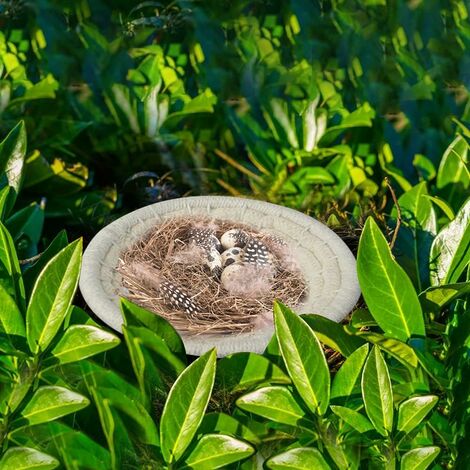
<point x="335" y="108"/>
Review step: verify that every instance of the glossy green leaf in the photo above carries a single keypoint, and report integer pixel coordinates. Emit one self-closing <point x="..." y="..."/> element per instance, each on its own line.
<point x="242" y="371"/>
<point x="333" y="335"/>
<point x="388" y="291"/>
<point x="25" y="458"/>
<point x="377" y="392"/>
<point x="217" y="451"/>
<point x="302" y="458"/>
<point x="275" y="403"/>
<point x="420" y="458"/>
<point x="445" y="208"/>
<point x="49" y="403"/>
<point x="412" y="411"/>
<point x="10" y="272"/>
<point x="453" y="175"/>
<point x="417" y="231"/>
<point x="52" y="295"/>
<point x="349" y="374"/>
<point x="137" y="316"/>
<point x="12" y="154"/>
<point x="355" y="419"/>
<point x="185" y="406"/>
<point x="226" y="424"/>
<point x="450" y="252"/>
<point x="82" y="341"/>
<point x="304" y="358"/>
<point x="11" y="320"/>
<point x="399" y="350"/>
<point x="436" y="298"/>
<point x="31" y="273"/>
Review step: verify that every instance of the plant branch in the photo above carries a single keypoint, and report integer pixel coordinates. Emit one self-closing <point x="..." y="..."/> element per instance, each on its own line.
<point x="395" y="201"/>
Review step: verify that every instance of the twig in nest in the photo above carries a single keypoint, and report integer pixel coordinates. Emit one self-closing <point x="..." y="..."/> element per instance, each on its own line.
<point x="395" y="201"/>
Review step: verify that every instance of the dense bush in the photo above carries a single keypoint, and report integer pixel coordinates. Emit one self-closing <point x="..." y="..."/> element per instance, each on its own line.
<point x="353" y="111"/>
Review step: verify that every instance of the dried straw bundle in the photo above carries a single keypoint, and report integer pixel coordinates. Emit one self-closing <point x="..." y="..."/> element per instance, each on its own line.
<point x="165" y="273"/>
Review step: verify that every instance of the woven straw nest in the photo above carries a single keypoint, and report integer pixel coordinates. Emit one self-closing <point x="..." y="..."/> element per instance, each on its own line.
<point x="168" y="271"/>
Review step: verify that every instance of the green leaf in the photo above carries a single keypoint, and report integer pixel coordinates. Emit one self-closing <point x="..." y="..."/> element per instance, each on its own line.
<point x="412" y="411"/>
<point x="277" y="404"/>
<point x="49" y="403"/>
<point x="31" y="273"/>
<point x="349" y="374"/>
<point x="12" y="153"/>
<point x="226" y="424"/>
<point x="420" y="458"/>
<point x="304" y="358"/>
<point x="4" y="193"/>
<point x="164" y="357"/>
<point x="450" y="251"/>
<point x="10" y="272"/>
<point x="134" y="415"/>
<point x="147" y="374"/>
<point x="11" y="320"/>
<point x="82" y="341"/>
<point x="399" y="350"/>
<point x="417" y="231"/>
<point x="216" y="451"/>
<point x="436" y="298"/>
<point x="117" y="438"/>
<point x="449" y="213"/>
<point x="333" y="335"/>
<point x="75" y="448"/>
<point x="137" y="316"/>
<point x="24" y="458"/>
<point x="355" y="419"/>
<point x="302" y="458"/>
<point x="52" y="295"/>
<point x="453" y="175"/>
<point x="377" y="392"/>
<point x="185" y="406"/>
<point x="26" y="226"/>
<point x="242" y="371"/>
<point x="388" y="291"/>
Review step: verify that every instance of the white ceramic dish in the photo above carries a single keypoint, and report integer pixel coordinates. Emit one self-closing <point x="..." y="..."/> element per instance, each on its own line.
<point x="326" y="262"/>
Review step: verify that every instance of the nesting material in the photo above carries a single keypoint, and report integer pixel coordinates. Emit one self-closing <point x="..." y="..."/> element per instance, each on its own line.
<point x="210" y="276"/>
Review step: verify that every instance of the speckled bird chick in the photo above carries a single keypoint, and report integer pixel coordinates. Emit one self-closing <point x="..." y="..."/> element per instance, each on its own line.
<point x="178" y="299"/>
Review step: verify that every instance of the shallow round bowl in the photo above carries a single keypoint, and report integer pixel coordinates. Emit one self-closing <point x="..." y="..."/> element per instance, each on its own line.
<point x="326" y="262"/>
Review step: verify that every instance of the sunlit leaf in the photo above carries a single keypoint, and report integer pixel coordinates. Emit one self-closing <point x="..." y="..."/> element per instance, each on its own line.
<point x="388" y="291"/>
<point x="185" y="406"/>
<point x="52" y="295"/>
<point x="302" y="458"/>
<point x="217" y="451"/>
<point x="303" y="357"/>
<point x="25" y="458"/>
<point x="419" y="459"/>
<point x="377" y="392"/>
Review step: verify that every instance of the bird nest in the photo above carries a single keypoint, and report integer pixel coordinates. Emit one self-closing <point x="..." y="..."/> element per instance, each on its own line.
<point x="180" y="270"/>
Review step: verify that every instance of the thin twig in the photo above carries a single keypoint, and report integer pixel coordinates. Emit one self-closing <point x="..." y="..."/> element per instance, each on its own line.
<point x="30" y="260"/>
<point x="395" y="201"/>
